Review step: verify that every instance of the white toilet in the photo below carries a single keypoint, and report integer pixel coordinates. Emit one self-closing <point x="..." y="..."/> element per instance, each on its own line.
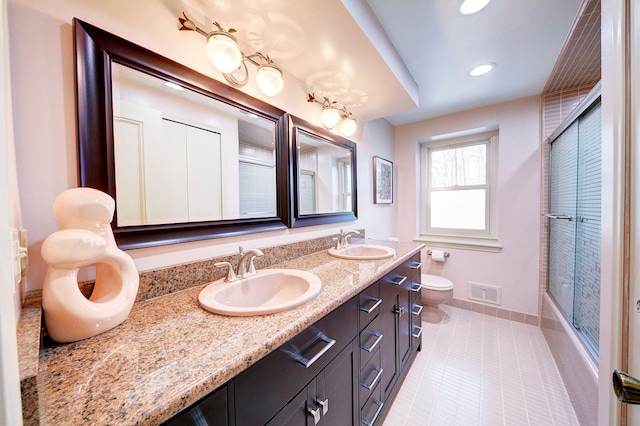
<point x="435" y="291"/>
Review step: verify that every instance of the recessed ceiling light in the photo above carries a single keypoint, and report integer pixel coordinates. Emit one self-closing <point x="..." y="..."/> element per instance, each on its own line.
<point x="470" y="7"/>
<point x="482" y="69"/>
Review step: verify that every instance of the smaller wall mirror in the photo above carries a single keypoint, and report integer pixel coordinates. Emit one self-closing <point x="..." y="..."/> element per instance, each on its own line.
<point x="324" y="175"/>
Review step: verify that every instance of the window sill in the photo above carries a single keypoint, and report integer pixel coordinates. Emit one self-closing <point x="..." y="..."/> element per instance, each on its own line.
<point x="465" y="243"/>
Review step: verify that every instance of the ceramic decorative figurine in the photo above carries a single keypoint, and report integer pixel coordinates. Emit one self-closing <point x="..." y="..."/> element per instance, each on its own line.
<point x="85" y="238"/>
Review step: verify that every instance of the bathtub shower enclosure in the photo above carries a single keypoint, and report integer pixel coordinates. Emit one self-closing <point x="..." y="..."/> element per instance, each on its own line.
<point x="573" y="276"/>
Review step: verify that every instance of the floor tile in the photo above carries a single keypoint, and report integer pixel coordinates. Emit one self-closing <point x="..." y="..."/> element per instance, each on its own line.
<point x="476" y="369"/>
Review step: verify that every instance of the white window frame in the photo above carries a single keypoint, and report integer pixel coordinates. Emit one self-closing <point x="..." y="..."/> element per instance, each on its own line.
<point x="482" y="240"/>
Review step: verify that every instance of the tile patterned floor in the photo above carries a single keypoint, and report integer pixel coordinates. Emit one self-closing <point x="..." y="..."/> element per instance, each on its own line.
<point x="476" y="369"/>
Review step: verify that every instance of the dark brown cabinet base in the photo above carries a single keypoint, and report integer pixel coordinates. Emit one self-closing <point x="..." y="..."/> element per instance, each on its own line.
<point x="344" y="370"/>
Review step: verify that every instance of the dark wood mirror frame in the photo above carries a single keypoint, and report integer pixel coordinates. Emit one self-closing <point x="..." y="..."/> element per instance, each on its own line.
<point x="95" y="49"/>
<point x="297" y="125"/>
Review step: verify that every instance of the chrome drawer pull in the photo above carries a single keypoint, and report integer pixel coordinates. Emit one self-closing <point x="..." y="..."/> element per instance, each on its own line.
<point x="375" y="417"/>
<point x="417" y="309"/>
<point x="415" y="265"/>
<point x="371" y="309"/>
<point x="398" y="280"/>
<point x="418" y="333"/>
<point x="308" y="362"/>
<point x="375" y="379"/>
<point x="415" y="287"/>
<point x="375" y="343"/>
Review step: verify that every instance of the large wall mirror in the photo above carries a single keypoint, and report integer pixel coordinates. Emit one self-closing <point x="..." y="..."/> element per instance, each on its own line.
<point x="184" y="156"/>
<point x="324" y="175"/>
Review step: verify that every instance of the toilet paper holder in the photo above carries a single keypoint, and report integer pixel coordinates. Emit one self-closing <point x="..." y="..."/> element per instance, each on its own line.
<point x="446" y="253"/>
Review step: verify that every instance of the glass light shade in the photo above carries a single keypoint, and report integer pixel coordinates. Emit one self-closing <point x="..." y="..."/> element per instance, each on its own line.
<point x="269" y="79"/>
<point x="329" y="117"/>
<point x="223" y="51"/>
<point x="470" y="7"/>
<point x="348" y="126"/>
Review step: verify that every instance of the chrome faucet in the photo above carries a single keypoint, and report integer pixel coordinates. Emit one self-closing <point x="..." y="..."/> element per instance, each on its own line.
<point x="242" y="271"/>
<point x="343" y="241"/>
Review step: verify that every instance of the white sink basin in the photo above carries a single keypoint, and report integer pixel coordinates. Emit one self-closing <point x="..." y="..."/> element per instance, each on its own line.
<point x="269" y="291"/>
<point x="363" y="252"/>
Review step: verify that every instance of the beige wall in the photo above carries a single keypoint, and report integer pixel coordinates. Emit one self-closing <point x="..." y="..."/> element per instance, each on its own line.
<point x="516" y="267"/>
<point x="43" y="95"/>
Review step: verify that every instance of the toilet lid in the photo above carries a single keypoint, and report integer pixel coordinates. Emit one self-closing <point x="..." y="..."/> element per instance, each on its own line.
<point x="435" y="282"/>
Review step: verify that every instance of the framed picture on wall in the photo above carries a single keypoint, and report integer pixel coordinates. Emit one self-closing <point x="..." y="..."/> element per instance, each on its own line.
<point x="382" y="181"/>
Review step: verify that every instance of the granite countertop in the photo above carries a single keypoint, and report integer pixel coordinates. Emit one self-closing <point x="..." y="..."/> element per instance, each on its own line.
<point x="170" y="353"/>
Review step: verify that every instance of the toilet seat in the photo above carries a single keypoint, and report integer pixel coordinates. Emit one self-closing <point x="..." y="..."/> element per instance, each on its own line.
<point x="435" y="282"/>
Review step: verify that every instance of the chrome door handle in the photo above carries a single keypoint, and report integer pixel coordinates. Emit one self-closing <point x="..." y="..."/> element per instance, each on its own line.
<point x="315" y="414"/>
<point x="558" y="216"/>
<point x="398" y="310"/>
<point x="626" y="388"/>
<point x="324" y="405"/>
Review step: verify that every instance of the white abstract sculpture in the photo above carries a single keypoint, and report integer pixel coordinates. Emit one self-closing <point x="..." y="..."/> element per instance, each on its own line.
<point x="85" y="238"/>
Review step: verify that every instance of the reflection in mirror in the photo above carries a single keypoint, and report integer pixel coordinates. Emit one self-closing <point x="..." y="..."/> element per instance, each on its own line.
<point x="207" y="161"/>
<point x="183" y="157"/>
<point x="325" y="176"/>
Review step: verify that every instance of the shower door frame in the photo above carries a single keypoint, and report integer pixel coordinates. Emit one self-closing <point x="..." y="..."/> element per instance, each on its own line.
<point x="585" y="106"/>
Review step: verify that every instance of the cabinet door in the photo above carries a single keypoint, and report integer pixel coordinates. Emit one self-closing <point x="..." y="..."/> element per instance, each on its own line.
<point x="403" y="305"/>
<point x="295" y="412"/>
<point x="336" y="387"/>
<point x="390" y="287"/>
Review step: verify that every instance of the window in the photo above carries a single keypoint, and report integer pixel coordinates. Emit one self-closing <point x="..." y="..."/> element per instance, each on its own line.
<point x="459" y="192"/>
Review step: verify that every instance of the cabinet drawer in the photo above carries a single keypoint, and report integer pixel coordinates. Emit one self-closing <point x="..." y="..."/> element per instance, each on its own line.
<point x="369" y="304"/>
<point x="370" y="339"/>
<point x="370" y="413"/>
<point x="288" y="369"/>
<point x="210" y="410"/>
<point x="370" y="377"/>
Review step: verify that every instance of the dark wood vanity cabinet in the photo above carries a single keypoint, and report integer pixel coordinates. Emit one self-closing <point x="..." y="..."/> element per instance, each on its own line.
<point x="400" y="291"/>
<point x="343" y="370"/>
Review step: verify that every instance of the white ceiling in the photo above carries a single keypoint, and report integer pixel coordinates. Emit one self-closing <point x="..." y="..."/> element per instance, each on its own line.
<point x="404" y="60"/>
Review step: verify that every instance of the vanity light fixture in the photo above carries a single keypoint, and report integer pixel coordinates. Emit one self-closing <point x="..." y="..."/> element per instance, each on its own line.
<point x="331" y="115"/>
<point x="225" y="55"/>
<point x="223" y="50"/>
<point x="469" y="7"/>
<point x="482" y="69"/>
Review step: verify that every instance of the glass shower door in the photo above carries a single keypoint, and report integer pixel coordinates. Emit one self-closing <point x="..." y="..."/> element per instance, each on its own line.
<point x="574" y="225"/>
<point x="563" y="183"/>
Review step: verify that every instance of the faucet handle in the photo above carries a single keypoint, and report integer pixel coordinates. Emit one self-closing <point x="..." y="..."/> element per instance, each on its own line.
<point x="231" y="276"/>
<point x="252" y="268"/>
